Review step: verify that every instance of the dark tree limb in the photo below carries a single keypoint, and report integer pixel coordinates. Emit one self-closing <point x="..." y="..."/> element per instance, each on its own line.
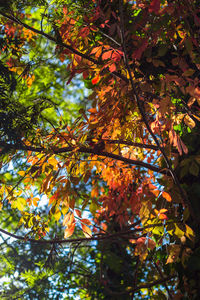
<point x="86" y="150"/>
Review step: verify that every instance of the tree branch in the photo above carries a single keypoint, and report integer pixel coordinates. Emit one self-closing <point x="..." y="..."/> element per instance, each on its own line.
<point x="60" y="43"/>
<point x="141" y="286"/>
<point x="129" y="143"/>
<point x="98" y="237"/>
<point x="86" y="150"/>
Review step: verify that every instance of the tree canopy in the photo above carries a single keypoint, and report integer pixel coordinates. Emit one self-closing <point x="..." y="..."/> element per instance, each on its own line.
<point x="99" y="145"/>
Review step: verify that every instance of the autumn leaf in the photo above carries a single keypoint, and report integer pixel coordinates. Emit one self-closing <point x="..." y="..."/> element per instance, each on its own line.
<point x="151" y="244"/>
<point x="96" y="79"/>
<point x="160" y="213"/>
<point x="174" y="251"/>
<point x="112" y="68"/>
<point x="189" y="122"/>
<point x="69" y="231"/>
<point x="138" y="53"/>
<point x="106" y="55"/>
<point x="167" y="196"/>
<point x="68" y="219"/>
<point x="86" y="221"/>
<point x="78" y="212"/>
<point x="86" y="231"/>
<point x="154" y="6"/>
<point x="57" y="215"/>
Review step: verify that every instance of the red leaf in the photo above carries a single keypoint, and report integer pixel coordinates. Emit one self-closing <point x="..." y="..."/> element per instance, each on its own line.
<point x="117" y="55"/>
<point x="154" y="6"/>
<point x="71" y="77"/>
<point x="78" y="212"/>
<point x="85" y="74"/>
<point x="151" y="244"/>
<point x="138" y="53"/>
<point x="107" y="54"/>
<point x="96" y="79"/>
<point x="112" y="68"/>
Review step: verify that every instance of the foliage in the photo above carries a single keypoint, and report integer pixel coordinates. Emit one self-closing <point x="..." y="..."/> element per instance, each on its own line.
<point x="118" y="168"/>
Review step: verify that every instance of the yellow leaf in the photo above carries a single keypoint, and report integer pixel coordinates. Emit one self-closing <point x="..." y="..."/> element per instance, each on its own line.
<point x="20" y="203"/>
<point x="22" y="173"/>
<point x="65" y="208"/>
<point x="57" y="215"/>
<point x="178" y="232"/>
<point x="189" y="232"/>
<point x="52" y="161"/>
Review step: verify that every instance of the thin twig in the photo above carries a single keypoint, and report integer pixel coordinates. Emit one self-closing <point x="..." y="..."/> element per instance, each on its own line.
<point x="162" y="276"/>
<point x="147" y="285"/>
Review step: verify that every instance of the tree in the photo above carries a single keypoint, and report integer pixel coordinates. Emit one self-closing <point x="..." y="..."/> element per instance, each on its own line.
<point x="124" y="170"/>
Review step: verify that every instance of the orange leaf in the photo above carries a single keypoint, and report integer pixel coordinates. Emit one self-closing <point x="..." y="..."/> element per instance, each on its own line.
<point x="93" y="110"/>
<point x="86" y="221"/>
<point x="96" y="51"/>
<point x="35" y="201"/>
<point x="162" y="217"/>
<point x="69" y="231"/>
<point x="86" y="230"/>
<point x="166" y="196"/>
<point x="68" y="219"/>
<point x="156" y="192"/>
